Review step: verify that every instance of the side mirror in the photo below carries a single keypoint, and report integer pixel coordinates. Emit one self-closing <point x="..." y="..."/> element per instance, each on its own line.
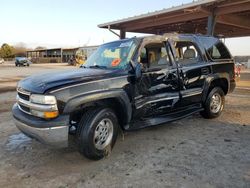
<point x="138" y="71"/>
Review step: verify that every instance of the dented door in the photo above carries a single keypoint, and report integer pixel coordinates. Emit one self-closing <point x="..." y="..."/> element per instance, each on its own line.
<point x="157" y="90"/>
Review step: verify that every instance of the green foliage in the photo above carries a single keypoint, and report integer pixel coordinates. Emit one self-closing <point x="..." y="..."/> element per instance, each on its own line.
<point x="6" y="51"/>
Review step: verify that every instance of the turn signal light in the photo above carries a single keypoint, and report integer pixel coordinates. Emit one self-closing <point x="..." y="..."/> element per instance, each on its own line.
<point x="49" y="115"/>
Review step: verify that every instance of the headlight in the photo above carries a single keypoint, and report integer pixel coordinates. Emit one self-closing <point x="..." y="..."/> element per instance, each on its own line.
<point x="42" y="99"/>
<point x="46" y="106"/>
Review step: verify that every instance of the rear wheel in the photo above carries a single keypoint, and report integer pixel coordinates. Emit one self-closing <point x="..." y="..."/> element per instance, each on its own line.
<point x="214" y="103"/>
<point x="97" y="132"/>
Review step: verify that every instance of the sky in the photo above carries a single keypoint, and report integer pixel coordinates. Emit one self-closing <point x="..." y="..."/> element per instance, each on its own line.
<point x="73" y="23"/>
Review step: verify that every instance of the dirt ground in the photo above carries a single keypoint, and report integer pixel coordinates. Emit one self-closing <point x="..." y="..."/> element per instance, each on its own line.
<point x="191" y="152"/>
<point x="10" y="74"/>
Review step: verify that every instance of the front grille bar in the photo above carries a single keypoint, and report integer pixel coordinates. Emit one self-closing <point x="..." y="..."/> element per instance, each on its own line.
<point x="20" y="90"/>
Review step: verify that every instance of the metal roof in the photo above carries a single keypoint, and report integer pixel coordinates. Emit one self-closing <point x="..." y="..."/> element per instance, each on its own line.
<point x="43" y="50"/>
<point x="232" y="19"/>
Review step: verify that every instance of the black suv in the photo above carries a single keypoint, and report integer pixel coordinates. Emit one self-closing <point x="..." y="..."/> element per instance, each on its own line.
<point x="126" y="85"/>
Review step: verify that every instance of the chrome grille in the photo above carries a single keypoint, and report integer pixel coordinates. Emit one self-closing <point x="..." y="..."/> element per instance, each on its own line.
<point x="24" y="108"/>
<point x="25" y="96"/>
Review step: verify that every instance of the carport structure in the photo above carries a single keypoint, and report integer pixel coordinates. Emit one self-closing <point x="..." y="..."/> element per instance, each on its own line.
<point x="227" y="18"/>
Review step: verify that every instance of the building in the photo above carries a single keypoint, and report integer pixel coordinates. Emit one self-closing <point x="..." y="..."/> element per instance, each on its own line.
<point x="59" y="55"/>
<point x="86" y="51"/>
<point x="45" y="55"/>
<point x="68" y="53"/>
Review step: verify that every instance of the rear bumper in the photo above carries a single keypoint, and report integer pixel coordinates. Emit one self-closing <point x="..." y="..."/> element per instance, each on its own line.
<point x="232" y="86"/>
<point x="51" y="132"/>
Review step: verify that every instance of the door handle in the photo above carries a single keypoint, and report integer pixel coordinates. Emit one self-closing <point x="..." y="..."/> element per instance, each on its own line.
<point x="205" y="71"/>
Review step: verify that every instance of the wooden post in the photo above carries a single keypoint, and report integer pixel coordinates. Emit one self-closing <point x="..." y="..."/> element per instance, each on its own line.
<point x="122" y="34"/>
<point x="61" y="55"/>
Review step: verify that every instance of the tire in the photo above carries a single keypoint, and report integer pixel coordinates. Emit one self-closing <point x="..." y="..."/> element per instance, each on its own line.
<point x="97" y="133"/>
<point x="214" y="103"/>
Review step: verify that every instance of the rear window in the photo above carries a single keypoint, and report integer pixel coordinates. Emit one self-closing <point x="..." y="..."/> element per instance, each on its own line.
<point x="216" y="50"/>
<point x="219" y="51"/>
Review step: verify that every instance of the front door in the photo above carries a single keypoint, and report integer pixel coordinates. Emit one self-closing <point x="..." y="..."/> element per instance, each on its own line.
<point x="157" y="92"/>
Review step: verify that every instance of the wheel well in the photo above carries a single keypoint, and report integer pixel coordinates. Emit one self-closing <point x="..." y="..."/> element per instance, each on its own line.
<point x="221" y="82"/>
<point x="112" y="103"/>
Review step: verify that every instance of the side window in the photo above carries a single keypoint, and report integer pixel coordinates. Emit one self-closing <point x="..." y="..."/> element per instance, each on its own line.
<point x="155" y="55"/>
<point x="187" y="53"/>
<point x="219" y="51"/>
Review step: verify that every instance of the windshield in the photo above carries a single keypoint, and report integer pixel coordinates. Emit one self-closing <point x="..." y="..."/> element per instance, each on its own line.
<point x="115" y="55"/>
<point x="21" y="58"/>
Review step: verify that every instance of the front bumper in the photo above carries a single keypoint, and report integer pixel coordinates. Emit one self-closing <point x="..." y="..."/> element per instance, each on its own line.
<point x="51" y="132"/>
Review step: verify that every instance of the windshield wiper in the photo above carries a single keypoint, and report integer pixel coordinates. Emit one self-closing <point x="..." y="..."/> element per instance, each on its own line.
<point x="98" y="66"/>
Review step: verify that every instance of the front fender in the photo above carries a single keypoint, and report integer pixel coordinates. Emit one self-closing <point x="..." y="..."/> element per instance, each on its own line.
<point x="118" y="94"/>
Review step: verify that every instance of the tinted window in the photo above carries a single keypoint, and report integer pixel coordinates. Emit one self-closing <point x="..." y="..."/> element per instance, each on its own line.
<point x="216" y="50"/>
<point x="219" y="51"/>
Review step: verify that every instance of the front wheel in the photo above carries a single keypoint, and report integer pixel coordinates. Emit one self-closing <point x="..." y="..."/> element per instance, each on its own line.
<point x="97" y="132"/>
<point x="214" y="103"/>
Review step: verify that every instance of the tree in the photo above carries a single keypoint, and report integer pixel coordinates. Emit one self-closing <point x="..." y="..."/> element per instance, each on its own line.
<point x="40" y="48"/>
<point x="20" y="49"/>
<point x="6" y="51"/>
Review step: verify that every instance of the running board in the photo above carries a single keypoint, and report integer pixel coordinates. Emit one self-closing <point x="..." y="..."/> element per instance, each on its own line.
<point x="162" y="119"/>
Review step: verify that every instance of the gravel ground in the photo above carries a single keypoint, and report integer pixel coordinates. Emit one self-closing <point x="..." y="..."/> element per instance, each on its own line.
<point x="191" y="152"/>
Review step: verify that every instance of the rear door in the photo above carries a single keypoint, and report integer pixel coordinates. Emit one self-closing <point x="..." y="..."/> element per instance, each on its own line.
<point x="193" y="70"/>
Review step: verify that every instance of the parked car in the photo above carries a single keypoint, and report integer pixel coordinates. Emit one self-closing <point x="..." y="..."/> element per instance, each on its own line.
<point x="71" y="61"/>
<point x="126" y="85"/>
<point x="1" y="60"/>
<point x="22" y="61"/>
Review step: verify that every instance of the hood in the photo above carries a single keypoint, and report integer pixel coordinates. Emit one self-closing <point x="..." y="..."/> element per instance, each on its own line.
<point x="43" y="82"/>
